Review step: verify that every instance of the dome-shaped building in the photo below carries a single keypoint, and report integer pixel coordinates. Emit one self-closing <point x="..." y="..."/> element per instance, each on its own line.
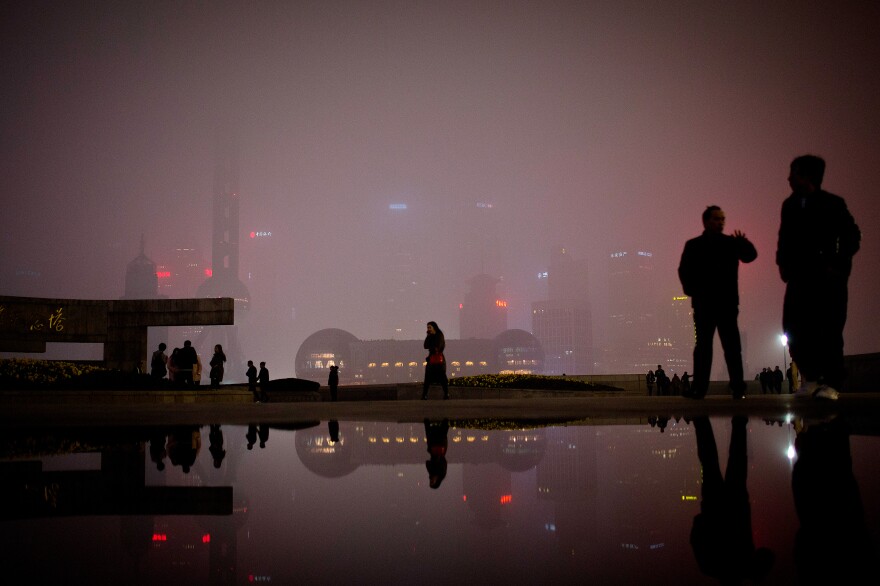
<point x="324" y="349"/>
<point x="518" y="352"/>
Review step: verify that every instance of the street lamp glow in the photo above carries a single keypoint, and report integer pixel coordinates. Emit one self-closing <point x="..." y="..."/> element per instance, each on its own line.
<point x="784" y="339"/>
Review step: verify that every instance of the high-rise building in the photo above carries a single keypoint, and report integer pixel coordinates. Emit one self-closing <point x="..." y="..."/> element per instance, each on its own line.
<point x="631" y="312"/>
<point x="482" y="314"/>
<point x="141" y="281"/>
<point x="563" y="323"/>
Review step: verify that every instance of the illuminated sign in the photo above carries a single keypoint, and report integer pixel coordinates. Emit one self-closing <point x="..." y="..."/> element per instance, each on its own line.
<point x="484" y="206"/>
<point x="500" y="303"/>
<point x="618" y="254"/>
<point x="640" y="253"/>
<point x="542" y="275"/>
<point x="163" y="274"/>
<point x="261" y="234"/>
<point x="397" y="206"/>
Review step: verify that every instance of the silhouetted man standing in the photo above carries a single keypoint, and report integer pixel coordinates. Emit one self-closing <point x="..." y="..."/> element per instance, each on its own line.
<point x="817" y="239"/>
<point x="709" y="274"/>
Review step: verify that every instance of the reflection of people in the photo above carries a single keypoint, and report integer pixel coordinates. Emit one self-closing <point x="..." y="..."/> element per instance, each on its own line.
<point x="157" y="449"/>
<point x="216" y="363"/>
<point x="709" y="274"/>
<point x="333" y="381"/>
<point x="818" y="238"/>
<point x="333" y="430"/>
<point x="215" y="438"/>
<point x="435" y="434"/>
<point x="833" y="544"/>
<point x="721" y="535"/>
<point x="251" y="436"/>
<point x="435" y="367"/>
<point x="184" y="444"/>
<point x="263" y="432"/>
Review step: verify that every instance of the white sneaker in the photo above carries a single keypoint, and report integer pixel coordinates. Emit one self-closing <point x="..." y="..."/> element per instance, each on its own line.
<point x="806" y="390"/>
<point x="826" y="392"/>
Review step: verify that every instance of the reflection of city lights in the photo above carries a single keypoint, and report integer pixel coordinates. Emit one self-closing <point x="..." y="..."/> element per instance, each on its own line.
<point x="791" y="453"/>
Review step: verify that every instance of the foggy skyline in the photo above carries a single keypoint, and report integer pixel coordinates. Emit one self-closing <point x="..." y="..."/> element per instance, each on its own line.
<point x="597" y="126"/>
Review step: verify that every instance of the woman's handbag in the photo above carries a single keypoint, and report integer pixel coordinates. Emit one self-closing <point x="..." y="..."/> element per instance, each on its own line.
<point x="435" y="358"/>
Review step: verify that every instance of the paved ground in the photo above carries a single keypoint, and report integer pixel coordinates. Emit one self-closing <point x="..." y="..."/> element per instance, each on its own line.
<point x="18" y="413"/>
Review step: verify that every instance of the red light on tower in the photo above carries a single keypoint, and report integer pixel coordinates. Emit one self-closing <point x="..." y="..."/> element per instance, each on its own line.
<point x="163" y="274"/>
<point x="206" y="538"/>
<point x="208" y="272"/>
<point x="253" y="235"/>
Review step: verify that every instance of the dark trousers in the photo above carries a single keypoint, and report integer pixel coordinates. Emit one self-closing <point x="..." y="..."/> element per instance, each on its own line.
<point x="435" y="374"/>
<point x="707" y="319"/>
<point x="813" y="316"/>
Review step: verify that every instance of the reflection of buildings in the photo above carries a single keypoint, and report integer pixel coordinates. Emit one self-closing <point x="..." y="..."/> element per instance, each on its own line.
<point x="398" y="361"/>
<point x="563" y="323"/>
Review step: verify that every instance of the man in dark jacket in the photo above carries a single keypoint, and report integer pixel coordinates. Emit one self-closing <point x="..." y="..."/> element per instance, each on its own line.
<point x="818" y="238"/>
<point x="709" y="273"/>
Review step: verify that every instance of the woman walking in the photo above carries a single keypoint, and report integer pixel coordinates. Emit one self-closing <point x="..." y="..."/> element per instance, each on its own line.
<point x="435" y="367"/>
<point x="217" y="361"/>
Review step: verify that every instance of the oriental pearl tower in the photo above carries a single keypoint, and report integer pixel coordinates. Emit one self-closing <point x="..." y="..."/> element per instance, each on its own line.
<point x="224" y="281"/>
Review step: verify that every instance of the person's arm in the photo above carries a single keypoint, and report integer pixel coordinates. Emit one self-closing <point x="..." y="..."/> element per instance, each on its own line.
<point x="745" y="250"/>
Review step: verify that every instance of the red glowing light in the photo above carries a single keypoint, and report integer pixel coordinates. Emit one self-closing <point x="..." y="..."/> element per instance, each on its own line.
<point x="160" y="537"/>
<point x="461" y="305"/>
<point x="253" y="234"/>
<point x="500" y="303"/>
<point x="208" y="272"/>
<point x="506" y="498"/>
<point x="206" y="538"/>
<point x="464" y="497"/>
<point x="163" y="274"/>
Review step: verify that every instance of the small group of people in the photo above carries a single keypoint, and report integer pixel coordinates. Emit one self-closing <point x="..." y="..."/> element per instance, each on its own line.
<point x="184" y="367"/>
<point x="677" y="385"/>
<point x="771" y="380"/>
<point x="818" y="238"/>
<point x="261" y="393"/>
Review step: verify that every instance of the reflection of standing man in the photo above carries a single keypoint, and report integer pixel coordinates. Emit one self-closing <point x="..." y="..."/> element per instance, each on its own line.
<point x="817" y="239"/>
<point x="721" y="535"/>
<point x="333" y="381"/>
<point x="709" y="274"/>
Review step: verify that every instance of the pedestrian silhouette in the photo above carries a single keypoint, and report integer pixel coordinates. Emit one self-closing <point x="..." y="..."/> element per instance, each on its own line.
<point x="818" y="238"/>
<point x="333" y="381"/>
<point x="251" y="436"/>
<point x="217" y="368"/>
<point x="159" y="362"/>
<point x="709" y="275"/>
<point x="333" y="430"/>
<point x="263" y="432"/>
<point x="157" y="449"/>
<point x="435" y="362"/>
<point x="251" y="375"/>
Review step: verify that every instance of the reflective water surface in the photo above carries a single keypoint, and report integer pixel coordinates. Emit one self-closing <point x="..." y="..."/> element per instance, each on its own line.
<point x="642" y="501"/>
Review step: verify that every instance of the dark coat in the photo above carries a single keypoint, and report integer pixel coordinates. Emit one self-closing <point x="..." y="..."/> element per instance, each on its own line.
<point x="709" y="268"/>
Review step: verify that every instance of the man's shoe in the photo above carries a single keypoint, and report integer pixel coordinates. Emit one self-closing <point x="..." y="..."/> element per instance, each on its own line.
<point x="806" y="389"/>
<point x="826" y="392"/>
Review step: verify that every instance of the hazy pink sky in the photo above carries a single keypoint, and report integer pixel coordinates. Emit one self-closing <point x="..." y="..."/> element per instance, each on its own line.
<point x="592" y="125"/>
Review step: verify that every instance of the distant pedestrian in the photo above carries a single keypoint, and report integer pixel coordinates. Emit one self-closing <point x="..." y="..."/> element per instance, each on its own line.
<point x="778" y="377"/>
<point x="675" y="384"/>
<point x="263" y="379"/>
<point x="650" y="379"/>
<point x="818" y="238"/>
<point x="662" y="381"/>
<point x="435" y="362"/>
<point x="159" y="362"/>
<point x="217" y="368"/>
<point x="186" y="362"/>
<point x="251" y="375"/>
<point x="685" y="383"/>
<point x="333" y="381"/>
<point x="173" y="362"/>
<point x="709" y="274"/>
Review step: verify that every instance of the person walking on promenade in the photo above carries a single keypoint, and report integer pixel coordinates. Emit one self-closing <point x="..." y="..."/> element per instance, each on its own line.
<point x="216" y="363"/>
<point x="662" y="381"/>
<point x="709" y="274"/>
<point x="159" y="362"/>
<point x="263" y="379"/>
<point x="435" y="367"/>
<point x="818" y="238"/>
<point x="173" y="362"/>
<point x="333" y="381"/>
<point x="251" y="375"/>
<point x="778" y="377"/>
<point x="650" y="379"/>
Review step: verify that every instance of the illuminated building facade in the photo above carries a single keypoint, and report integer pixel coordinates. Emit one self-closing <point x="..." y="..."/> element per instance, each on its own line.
<point x="563" y="324"/>
<point x="483" y="314"/>
<point x="631" y="313"/>
<point x="402" y="361"/>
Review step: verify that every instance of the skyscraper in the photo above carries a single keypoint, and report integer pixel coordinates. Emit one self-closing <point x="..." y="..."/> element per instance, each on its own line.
<point x="631" y="312"/>
<point x="563" y="323"/>
<point x="482" y="314"/>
